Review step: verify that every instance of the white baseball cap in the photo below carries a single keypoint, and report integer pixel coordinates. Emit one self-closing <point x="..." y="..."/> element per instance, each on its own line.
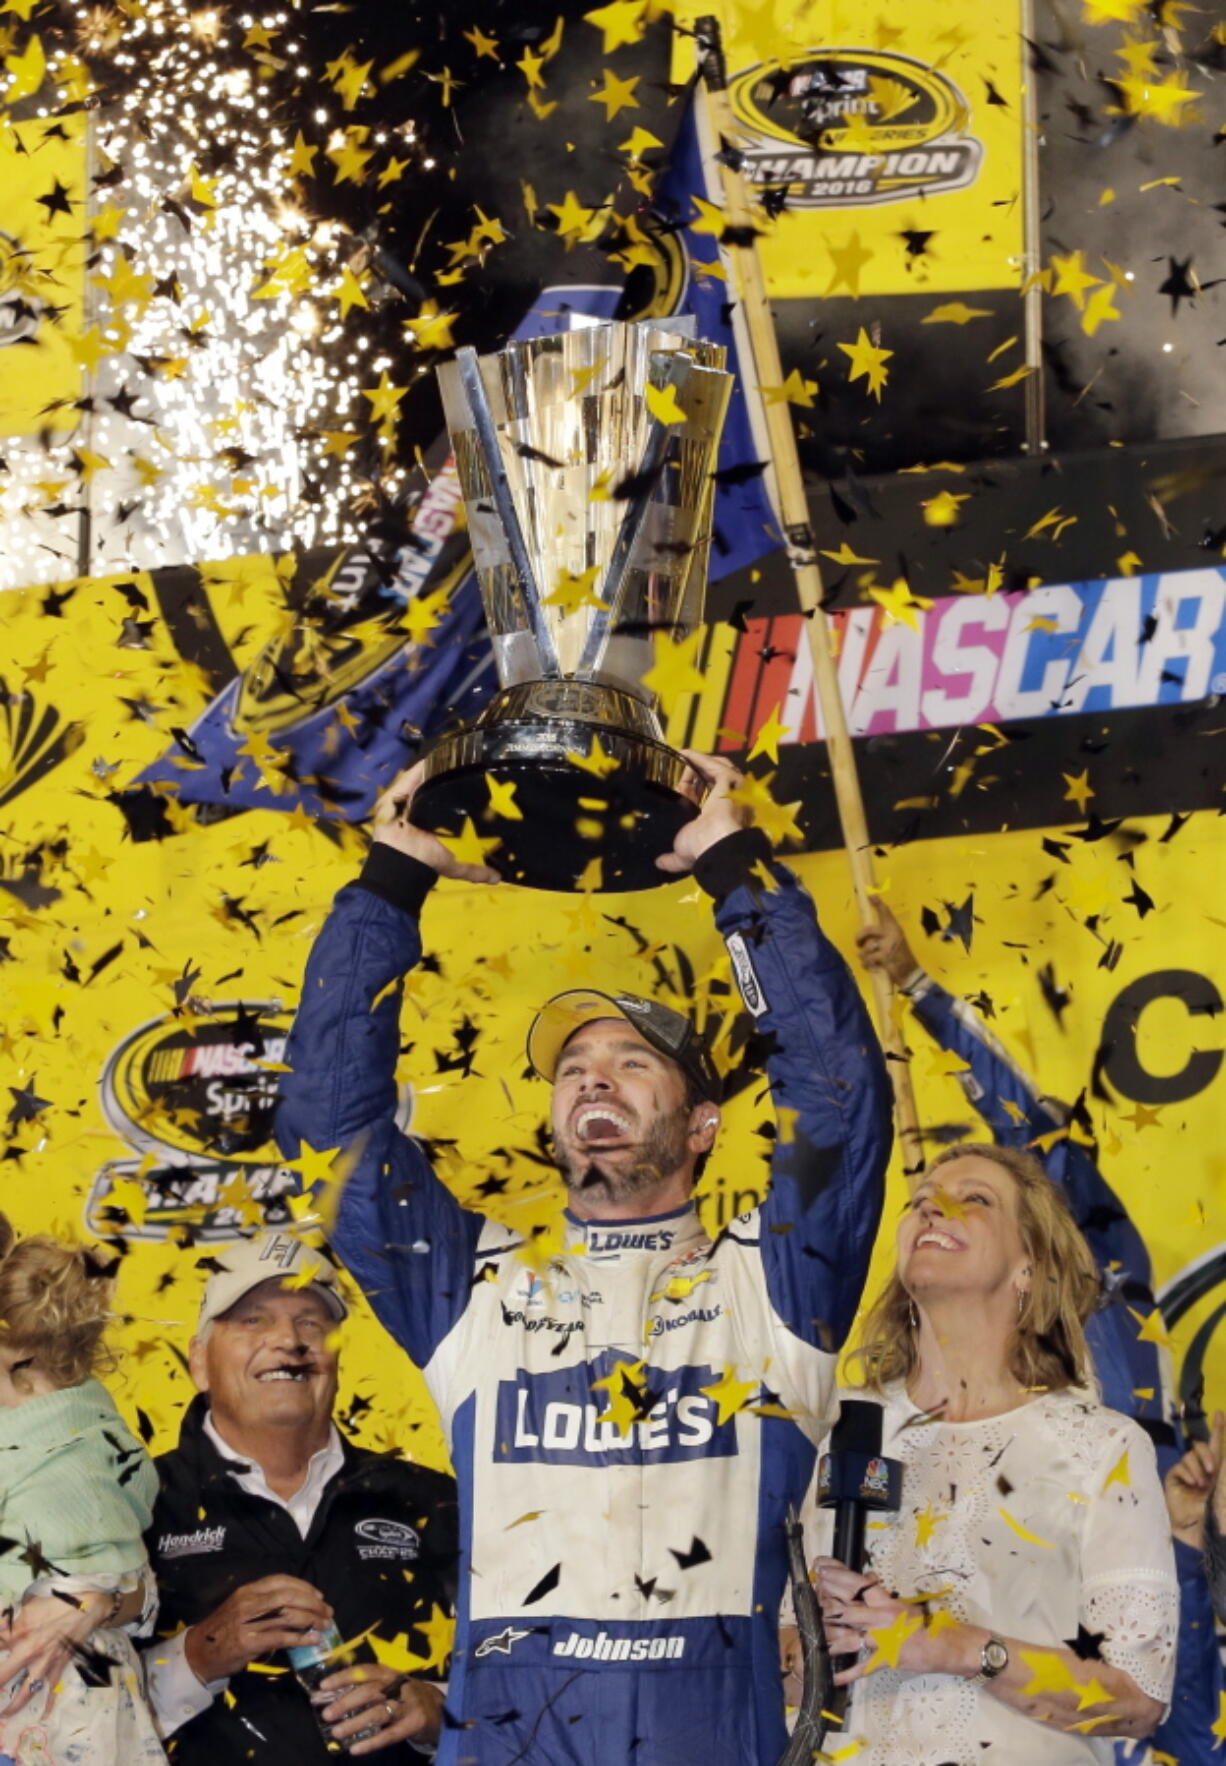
<point x="269" y="1257"/>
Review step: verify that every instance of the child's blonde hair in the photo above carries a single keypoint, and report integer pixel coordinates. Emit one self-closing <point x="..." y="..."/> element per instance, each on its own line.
<point x="55" y="1301"/>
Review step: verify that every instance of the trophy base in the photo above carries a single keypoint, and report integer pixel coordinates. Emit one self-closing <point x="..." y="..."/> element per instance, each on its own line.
<point x="594" y="826"/>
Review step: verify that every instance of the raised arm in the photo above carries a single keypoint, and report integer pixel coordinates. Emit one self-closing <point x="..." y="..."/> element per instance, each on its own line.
<point x="828" y="1081"/>
<point x="401" y="1233"/>
<point x="1010" y="1102"/>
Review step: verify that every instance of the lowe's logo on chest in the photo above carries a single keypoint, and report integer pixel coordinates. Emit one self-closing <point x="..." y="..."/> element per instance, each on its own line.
<point x="611" y="1411"/>
<point x="386" y="1539"/>
<point x="604" y="1241"/>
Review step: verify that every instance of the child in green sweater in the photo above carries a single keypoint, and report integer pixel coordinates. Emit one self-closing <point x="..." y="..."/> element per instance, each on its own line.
<point x="76" y="1493"/>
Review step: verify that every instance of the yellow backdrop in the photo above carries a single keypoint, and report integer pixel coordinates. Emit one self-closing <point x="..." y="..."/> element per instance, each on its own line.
<point x="879" y="122"/>
<point x="102" y="935"/>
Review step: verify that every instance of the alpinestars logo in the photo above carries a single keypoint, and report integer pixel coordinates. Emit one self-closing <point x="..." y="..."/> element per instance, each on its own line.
<point x="846" y="127"/>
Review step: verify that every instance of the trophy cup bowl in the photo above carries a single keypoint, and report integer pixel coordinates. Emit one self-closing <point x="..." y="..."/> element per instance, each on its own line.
<point x="589" y="510"/>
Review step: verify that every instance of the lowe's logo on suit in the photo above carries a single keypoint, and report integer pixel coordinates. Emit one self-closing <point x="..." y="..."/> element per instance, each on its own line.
<point x="561" y="1417"/>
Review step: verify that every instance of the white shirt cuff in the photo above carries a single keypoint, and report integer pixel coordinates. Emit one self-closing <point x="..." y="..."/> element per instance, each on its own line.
<point x="125" y="1583"/>
<point x="175" y="1694"/>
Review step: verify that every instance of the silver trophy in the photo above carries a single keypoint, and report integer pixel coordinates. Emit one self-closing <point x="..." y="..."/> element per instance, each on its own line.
<point x="589" y="512"/>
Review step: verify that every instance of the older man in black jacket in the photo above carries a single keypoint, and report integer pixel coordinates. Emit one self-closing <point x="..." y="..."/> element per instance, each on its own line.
<point x="273" y="1533"/>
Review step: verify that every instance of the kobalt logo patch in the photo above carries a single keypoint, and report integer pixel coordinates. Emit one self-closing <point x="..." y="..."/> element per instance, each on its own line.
<point x="386" y="1539"/>
<point x="846" y="127"/>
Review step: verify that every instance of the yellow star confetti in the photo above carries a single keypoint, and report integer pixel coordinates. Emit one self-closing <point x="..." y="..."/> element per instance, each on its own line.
<point x="574" y="592"/>
<point x="1099" y="309"/>
<point x="777" y="820"/>
<point x="955" y="312"/>
<point x="1022" y="1532"/>
<point x="899" y="604"/>
<point x="729" y="1393"/>
<point x="616" y="95"/>
<point x="384" y="398"/>
<point x="942" y="510"/>
<point x="469" y="846"/>
<point x="663" y="405"/>
<point x="622" y="1386"/>
<point x="574" y="220"/>
<point x="845" y="555"/>
<point x="1072" y="278"/>
<point x="640" y="141"/>
<point x="927" y="1520"/>
<point x="848" y="259"/>
<point x="484" y="46"/>
<point x="313" y="1164"/>
<point x="769" y="736"/>
<point x="597" y="762"/>
<point x="1153" y="1328"/>
<point x="866" y="359"/>
<point x="502" y="799"/>
<point x="796" y="390"/>
<point x="1049" y="1672"/>
<point x="1160" y="100"/>
<point x="623" y="21"/>
<point x="350" y="158"/>
<point x="1118" y="1473"/>
<point x="675" y="669"/>
<point x="889" y="1640"/>
<point x="1079" y="789"/>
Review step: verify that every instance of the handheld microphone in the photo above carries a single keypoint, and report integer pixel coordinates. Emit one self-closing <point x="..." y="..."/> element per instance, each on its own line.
<point x="855" y="1479"/>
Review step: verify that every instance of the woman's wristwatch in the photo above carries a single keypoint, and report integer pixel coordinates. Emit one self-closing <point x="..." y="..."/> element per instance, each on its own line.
<point x="993" y="1660"/>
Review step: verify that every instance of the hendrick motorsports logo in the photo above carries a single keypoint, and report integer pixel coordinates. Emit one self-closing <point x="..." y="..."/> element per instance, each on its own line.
<point x="843" y="127"/>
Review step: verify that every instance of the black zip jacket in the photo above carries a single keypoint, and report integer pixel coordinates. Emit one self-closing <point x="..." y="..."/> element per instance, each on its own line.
<point x="381" y="1550"/>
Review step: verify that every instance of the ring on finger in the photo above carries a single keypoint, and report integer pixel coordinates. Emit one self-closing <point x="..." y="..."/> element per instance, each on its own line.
<point x="392" y="1709"/>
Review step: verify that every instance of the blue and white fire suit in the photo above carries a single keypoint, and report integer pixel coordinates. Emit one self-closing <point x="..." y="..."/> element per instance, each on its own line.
<point x="1131" y="1372"/>
<point x="629" y="1419"/>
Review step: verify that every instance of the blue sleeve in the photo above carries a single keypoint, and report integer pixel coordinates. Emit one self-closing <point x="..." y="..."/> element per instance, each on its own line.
<point x="402" y="1235"/>
<point x="832" y="1094"/>
<point x="1200" y="1682"/>
<point x="1006" y="1098"/>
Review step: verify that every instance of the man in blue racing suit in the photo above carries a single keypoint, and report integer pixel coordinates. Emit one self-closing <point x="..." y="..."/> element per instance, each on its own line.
<point x="630" y="1418"/>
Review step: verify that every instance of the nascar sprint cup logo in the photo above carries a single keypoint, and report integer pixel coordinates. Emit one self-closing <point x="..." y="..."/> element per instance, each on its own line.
<point x="842" y="127"/>
<point x="193" y="1097"/>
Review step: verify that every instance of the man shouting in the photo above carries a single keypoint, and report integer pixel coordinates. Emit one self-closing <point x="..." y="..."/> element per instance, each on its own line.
<point x="630" y="1418"/>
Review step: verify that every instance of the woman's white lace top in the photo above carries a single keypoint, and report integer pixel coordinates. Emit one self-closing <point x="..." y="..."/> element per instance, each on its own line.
<point x="1038" y="1524"/>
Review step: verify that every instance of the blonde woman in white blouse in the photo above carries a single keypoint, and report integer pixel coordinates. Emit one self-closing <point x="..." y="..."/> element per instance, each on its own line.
<point x="1022" y="1604"/>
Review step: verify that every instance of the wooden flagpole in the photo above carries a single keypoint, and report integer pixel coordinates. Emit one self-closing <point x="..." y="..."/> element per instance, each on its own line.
<point x="802" y="556"/>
